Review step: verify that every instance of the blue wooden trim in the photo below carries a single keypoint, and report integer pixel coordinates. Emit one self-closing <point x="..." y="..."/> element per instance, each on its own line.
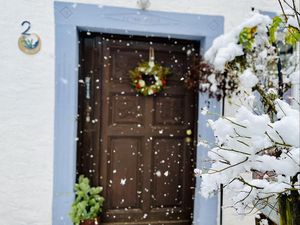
<point x="65" y="128"/>
<point x="206" y="212"/>
<point x="69" y="18"/>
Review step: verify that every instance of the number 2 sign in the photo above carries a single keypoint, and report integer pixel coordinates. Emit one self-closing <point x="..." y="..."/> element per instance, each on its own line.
<point x="29" y="43"/>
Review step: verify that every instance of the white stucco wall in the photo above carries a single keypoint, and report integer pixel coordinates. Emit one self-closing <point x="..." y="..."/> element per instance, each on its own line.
<point x="27" y="100"/>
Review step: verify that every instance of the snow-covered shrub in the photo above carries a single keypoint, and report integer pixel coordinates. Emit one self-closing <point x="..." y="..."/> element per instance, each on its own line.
<point x="262" y="139"/>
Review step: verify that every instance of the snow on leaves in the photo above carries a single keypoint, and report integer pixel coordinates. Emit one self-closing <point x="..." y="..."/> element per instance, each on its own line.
<point x="249" y="143"/>
<point x="227" y="47"/>
<point x="257" y="152"/>
<point x="261" y="47"/>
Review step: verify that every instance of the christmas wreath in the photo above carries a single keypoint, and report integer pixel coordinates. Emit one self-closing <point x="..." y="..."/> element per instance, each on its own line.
<point x="149" y="78"/>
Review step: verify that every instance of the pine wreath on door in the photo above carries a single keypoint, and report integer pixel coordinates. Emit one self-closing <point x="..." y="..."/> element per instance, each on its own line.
<point x="137" y="147"/>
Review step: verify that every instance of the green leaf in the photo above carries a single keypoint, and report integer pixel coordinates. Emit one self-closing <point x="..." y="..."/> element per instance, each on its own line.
<point x="246" y="37"/>
<point x="95" y="190"/>
<point x="292" y="35"/>
<point x="88" y="203"/>
<point x="277" y="21"/>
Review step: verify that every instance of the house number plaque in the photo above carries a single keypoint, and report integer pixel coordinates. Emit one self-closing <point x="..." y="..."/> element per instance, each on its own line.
<point x="29" y="43"/>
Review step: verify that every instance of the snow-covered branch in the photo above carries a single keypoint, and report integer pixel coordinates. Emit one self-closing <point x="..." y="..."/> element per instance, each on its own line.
<point x="262" y="138"/>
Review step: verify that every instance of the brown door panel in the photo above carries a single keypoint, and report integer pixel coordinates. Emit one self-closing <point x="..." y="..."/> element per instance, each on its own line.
<point x="136" y="147"/>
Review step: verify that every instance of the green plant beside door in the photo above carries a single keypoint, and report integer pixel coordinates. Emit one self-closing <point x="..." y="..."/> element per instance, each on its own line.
<point x="88" y="203"/>
<point x="289" y="208"/>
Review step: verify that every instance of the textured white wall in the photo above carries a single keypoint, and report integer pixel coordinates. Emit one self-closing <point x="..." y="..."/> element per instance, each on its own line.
<point x="26" y="115"/>
<point x="27" y="100"/>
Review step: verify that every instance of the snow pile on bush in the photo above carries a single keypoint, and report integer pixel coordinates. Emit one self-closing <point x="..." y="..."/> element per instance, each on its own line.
<point x="226" y="47"/>
<point x="249" y="143"/>
<point x="262" y="139"/>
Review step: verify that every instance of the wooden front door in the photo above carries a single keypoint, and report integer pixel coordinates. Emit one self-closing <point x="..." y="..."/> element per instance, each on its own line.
<point x="137" y="147"/>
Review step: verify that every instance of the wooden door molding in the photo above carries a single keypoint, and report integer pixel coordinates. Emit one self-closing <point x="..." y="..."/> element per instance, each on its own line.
<point x="89" y="17"/>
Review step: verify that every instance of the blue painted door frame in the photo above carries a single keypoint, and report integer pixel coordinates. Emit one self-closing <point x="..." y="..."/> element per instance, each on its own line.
<point x="69" y="18"/>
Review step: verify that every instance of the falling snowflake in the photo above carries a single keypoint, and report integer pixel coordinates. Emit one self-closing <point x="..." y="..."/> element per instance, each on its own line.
<point x="123" y="181"/>
<point x="204" y="111"/>
<point x="198" y="172"/>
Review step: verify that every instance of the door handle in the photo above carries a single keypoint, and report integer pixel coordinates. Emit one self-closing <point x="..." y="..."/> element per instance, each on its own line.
<point x="88" y="108"/>
<point x="87" y="87"/>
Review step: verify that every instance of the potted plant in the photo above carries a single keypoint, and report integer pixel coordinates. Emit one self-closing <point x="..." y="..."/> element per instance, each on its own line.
<point x="88" y="203"/>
